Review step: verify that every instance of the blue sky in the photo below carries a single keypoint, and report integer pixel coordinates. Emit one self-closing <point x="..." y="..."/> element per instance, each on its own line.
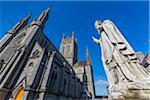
<point x="132" y="18"/>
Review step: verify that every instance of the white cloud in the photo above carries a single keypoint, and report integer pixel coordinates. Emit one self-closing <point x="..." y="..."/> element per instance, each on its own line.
<point x="101" y="82"/>
<point x="101" y="87"/>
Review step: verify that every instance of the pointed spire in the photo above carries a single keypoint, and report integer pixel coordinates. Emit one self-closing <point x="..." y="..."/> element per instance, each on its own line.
<point x="13" y="32"/>
<point x="20" y="25"/>
<point x="87" y="51"/>
<point x="88" y="56"/>
<point x="72" y="35"/>
<point x="48" y="9"/>
<point x="76" y="41"/>
<point x="63" y="37"/>
<point x="40" y="21"/>
<point x="44" y="15"/>
<point x="27" y="18"/>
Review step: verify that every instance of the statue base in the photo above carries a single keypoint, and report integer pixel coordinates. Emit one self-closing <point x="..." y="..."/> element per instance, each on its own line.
<point x="138" y="90"/>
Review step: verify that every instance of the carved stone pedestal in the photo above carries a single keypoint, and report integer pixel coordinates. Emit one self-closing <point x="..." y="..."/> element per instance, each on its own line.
<point x="139" y="90"/>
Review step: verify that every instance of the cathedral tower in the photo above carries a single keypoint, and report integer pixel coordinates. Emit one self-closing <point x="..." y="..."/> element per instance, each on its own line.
<point x="83" y="69"/>
<point x="68" y="49"/>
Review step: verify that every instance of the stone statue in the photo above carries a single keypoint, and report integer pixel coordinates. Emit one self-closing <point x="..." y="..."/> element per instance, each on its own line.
<point x="120" y="61"/>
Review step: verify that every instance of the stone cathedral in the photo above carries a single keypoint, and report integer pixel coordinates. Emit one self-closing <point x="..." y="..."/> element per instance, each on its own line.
<point x="31" y="68"/>
<point x="83" y="69"/>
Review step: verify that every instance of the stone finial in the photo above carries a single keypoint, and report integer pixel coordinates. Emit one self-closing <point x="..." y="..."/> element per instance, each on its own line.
<point x="40" y="20"/>
<point x="73" y="35"/>
<point x="20" y="25"/>
<point x="88" y="56"/>
<point x="27" y="17"/>
<point x="87" y="51"/>
<point x="48" y="9"/>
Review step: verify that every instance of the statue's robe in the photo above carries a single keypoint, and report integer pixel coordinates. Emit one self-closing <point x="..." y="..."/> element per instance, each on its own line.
<point x="119" y="59"/>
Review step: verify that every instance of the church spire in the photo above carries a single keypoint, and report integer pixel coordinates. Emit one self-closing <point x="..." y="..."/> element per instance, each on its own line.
<point x="27" y="18"/>
<point x="13" y="32"/>
<point x="44" y="15"/>
<point x="88" y="56"/>
<point x="40" y="21"/>
<point x="20" y="25"/>
<point x="72" y="35"/>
